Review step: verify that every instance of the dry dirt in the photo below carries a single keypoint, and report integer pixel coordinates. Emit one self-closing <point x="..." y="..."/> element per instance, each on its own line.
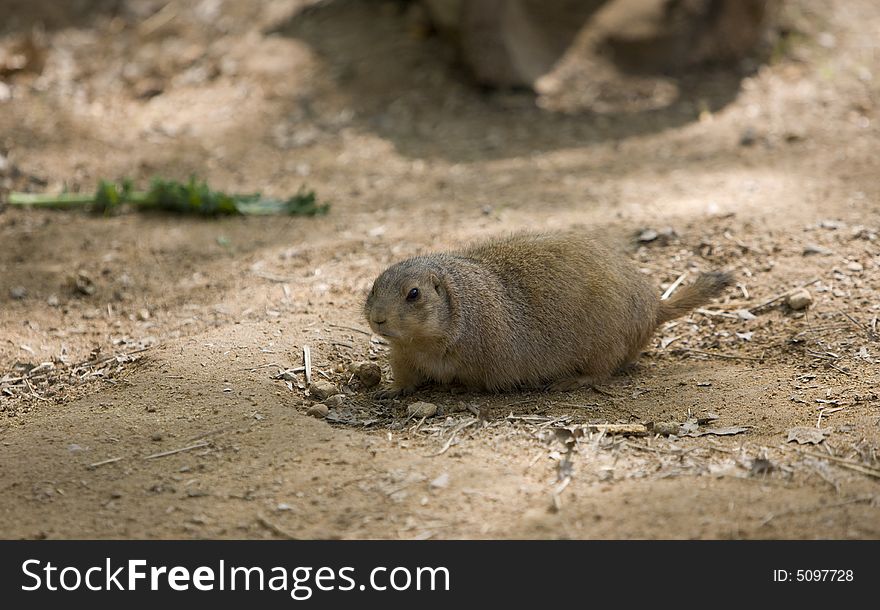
<point x="190" y="319"/>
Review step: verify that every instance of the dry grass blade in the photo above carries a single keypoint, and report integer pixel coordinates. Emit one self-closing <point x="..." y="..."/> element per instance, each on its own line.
<point x="103" y="462"/>
<point x="307" y="364"/>
<point x="173" y="451"/>
<point x="673" y="286"/>
<point x="717" y="354"/>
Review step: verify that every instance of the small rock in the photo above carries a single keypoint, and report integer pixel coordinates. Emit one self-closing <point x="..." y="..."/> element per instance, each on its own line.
<point x="335" y="401"/>
<point x="421" y="409"/>
<point x="323" y="389"/>
<point x="283" y="506"/>
<point x="745" y="314"/>
<point x="831" y="224"/>
<point x="648" y="235"/>
<point x="662" y="237"/>
<point x="17" y="292"/>
<point x="665" y="428"/>
<point x="799" y="299"/>
<point x="84" y="284"/>
<point x="148" y="88"/>
<point x="810" y="249"/>
<point x="143" y="315"/>
<point x="440" y="482"/>
<point x="748" y="137"/>
<point x="855" y="266"/>
<point x="318" y="410"/>
<point x="369" y="374"/>
<point x="156" y="437"/>
<point x="761" y="466"/>
<point x="52" y="301"/>
<point x="5" y="92"/>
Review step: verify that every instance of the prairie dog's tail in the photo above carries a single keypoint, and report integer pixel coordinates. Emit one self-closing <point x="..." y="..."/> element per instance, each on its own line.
<point x="707" y="286"/>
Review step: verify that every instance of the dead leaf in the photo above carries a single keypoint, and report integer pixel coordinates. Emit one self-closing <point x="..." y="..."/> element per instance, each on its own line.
<point x="806" y="435"/>
<point x="729" y="431"/>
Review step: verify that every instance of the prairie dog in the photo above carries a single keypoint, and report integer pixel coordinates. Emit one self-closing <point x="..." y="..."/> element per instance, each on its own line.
<point x="556" y="310"/>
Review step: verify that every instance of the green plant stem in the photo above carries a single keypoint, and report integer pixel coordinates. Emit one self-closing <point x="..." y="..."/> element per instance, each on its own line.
<point x="66" y="200"/>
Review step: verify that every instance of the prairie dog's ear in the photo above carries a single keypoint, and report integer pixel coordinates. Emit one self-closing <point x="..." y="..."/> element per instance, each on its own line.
<point x="438" y="285"/>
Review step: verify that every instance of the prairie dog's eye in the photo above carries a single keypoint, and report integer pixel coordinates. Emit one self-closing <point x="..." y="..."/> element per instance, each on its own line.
<point x="413" y="294"/>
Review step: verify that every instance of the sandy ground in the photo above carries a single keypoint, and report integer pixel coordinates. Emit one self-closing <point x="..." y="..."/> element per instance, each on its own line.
<point x="772" y="175"/>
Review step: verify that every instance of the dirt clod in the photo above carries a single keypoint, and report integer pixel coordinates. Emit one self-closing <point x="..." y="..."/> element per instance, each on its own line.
<point x="369" y="374"/>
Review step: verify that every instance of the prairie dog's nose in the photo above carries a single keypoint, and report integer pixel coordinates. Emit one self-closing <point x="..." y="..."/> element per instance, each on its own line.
<point x="378" y="317"/>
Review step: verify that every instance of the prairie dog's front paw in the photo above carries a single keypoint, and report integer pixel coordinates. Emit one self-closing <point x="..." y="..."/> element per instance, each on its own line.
<point x="393" y="392"/>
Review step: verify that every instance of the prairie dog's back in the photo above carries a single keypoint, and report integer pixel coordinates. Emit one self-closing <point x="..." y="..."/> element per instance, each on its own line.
<point x="569" y="298"/>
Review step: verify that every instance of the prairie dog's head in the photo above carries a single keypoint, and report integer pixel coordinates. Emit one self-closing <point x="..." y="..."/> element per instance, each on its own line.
<point x="408" y="302"/>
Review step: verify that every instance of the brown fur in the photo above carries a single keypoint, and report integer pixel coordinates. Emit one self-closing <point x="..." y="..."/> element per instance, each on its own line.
<point x="522" y="311"/>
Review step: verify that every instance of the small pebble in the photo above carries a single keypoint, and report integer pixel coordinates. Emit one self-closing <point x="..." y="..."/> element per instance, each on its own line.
<point x="440" y="482"/>
<point x="318" y="410"/>
<point x="421" y="409"/>
<point x="748" y="137"/>
<point x="17" y="292"/>
<point x="810" y="249"/>
<point x="335" y="401"/>
<point x="799" y="299"/>
<point x="84" y="284"/>
<point x="665" y="428"/>
<point x="855" y="266"/>
<point x="648" y="235"/>
<point x="322" y="389"/>
<point x="52" y="301"/>
<point x="745" y="314"/>
<point x="156" y="437"/>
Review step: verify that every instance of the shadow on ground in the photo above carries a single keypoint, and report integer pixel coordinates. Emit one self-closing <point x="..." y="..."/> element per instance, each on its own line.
<point x="393" y="79"/>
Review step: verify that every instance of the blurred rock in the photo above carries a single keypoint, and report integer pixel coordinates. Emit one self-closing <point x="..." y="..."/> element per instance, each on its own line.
<point x="799" y="299"/>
